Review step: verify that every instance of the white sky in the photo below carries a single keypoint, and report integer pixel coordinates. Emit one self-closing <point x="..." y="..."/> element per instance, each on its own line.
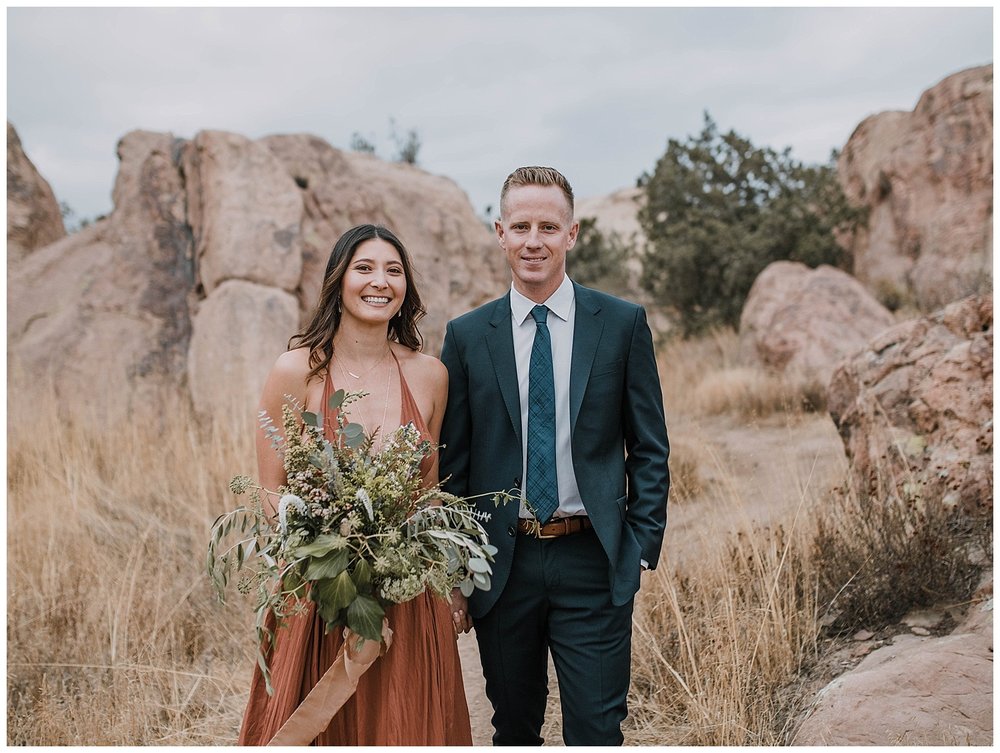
<point x="595" y="92"/>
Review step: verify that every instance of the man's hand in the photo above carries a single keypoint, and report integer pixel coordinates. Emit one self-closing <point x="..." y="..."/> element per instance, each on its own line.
<point x="460" y="612"/>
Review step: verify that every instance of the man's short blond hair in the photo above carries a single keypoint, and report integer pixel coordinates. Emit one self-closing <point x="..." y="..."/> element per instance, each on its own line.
<point x="537" y="176"/>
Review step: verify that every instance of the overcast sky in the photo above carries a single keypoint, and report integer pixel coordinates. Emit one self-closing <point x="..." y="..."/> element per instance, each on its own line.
<point x="595" y="92"/>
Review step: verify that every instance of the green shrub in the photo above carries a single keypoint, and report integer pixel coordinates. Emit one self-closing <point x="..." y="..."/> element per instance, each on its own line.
<point x="718" y="210"/>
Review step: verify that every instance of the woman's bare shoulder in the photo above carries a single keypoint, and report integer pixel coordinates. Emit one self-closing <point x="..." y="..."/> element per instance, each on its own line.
<point x="421" y="365"/>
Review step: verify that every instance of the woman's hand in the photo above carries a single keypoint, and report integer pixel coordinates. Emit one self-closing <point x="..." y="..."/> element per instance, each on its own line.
<point x="460" y="612"/>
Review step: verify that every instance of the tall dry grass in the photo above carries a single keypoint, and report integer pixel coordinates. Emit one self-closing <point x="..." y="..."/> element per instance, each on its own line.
<point x="704" y="377"/>
<point x="113" y="636"/>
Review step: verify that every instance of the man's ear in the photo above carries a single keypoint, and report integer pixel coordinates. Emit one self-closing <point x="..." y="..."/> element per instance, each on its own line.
<point x="498" y="229"/>
<point x="573" y="232"/>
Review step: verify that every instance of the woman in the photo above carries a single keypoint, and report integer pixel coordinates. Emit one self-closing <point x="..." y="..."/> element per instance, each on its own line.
<point x="363" y="337"/>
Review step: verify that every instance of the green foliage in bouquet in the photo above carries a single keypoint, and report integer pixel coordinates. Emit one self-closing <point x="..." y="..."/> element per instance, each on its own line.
<point x="355" y="531"/>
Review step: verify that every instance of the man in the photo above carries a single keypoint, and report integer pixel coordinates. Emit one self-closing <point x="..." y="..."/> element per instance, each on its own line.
<point x="556" y="385"/>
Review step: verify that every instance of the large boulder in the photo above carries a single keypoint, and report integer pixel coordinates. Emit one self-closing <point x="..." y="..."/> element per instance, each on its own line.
<point x="224" y="368"/>
<point x="915" y="691"/>
<point x="915" y="406"/>
<point x="801" y="322"/>
<point x="926" y="178"/>
<point x="161" y="295"/>
<point x="244" y="210"/>
<point x="104" y="313"/>
<point x="33" y="216"/>
<point x="457" y="262"/>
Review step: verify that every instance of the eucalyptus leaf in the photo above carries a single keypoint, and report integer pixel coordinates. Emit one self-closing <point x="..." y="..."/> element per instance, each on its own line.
<point x="309" y="418"/>
<point x="467" y="587"/>
<point x="353" y="430"/>
<point x="364" y="617"/>
<point x="336" y="400"/>
<point x="355" y="441"/>
<point x="478" y="565"/>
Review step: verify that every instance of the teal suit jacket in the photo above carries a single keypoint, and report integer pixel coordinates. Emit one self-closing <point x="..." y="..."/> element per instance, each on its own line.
<point x="619" y="436"/>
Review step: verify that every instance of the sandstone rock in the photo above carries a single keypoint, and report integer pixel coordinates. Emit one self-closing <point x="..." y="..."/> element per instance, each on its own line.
<point x="107" y="313"/>
<point x="916" y="405"/>
<point x="456" y="259"/>
<point x="926" y="178"/>
<point x="226" y="369"/>
<point x="618" y="213"/>
<point x="802" y="322"/>
<point x="916" y="691"/>
<point x="33" y="216"/>
<point x="103" y="313"/>
<point x="244" y="210"/>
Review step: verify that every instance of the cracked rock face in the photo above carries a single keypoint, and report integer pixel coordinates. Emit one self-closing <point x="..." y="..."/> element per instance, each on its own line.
<point x="213" y="257"/>
<point x="916" y="405"/>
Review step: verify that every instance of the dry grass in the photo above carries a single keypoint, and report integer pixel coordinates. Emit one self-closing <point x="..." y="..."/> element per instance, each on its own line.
<point x="724" y="624"/>
<point x="113" y="635"/>
<point x="705" y="378"/>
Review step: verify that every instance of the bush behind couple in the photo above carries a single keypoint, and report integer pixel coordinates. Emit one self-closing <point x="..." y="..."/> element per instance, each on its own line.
<point x="551" y="391"/>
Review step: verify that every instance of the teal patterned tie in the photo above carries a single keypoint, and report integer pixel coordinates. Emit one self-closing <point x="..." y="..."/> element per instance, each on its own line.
<point x="541" y="487"/>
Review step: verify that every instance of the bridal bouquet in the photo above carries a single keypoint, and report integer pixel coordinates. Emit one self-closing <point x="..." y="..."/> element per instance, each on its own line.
<point x="355" y="531"/>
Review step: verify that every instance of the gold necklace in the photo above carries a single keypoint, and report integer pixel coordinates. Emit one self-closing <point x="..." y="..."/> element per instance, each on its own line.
<point x="368" y="370"/>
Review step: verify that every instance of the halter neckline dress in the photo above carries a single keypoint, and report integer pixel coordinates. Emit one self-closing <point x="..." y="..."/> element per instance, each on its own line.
<point x="413" y="695"/>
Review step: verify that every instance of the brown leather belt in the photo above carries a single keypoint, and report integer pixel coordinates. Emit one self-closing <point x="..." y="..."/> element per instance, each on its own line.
<point x="554" y="528"/>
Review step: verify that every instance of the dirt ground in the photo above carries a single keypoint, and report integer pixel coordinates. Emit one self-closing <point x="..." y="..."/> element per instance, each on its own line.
<point x="751" y="473"/>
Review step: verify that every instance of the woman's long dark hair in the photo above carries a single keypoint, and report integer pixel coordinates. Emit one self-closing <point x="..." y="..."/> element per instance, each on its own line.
<point x="318" y="335"/>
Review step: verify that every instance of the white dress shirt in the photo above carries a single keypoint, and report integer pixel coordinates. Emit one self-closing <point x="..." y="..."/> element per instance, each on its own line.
<point x="562" y="307"/>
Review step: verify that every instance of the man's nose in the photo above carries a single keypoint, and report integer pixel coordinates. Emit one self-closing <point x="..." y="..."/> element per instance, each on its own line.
<point x="534" y="239"/>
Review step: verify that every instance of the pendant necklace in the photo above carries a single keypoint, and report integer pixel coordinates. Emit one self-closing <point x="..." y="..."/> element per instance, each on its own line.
<point x="368" y="370"/>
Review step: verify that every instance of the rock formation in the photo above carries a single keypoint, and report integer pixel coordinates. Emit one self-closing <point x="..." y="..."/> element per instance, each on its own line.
<point x="213" y="256"/>
<point x="33" y="216"/>
<point x="926" y="178"/>
<point x="915" y="691"/>
<point x="916" y="407"/>
<point x="802" y="322"/>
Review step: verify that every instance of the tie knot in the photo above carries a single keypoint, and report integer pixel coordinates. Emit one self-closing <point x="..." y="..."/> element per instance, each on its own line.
<point x="540" y="313"/>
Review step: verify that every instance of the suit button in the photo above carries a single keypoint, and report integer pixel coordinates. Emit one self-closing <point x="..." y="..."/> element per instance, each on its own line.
<point x="511" y="531"/>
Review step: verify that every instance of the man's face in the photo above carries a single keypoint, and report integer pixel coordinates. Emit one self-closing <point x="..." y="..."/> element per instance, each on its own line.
<point x="536" y="231"/>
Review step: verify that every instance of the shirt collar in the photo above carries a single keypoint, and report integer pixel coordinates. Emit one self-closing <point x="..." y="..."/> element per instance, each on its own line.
<point x="560" y="302"/>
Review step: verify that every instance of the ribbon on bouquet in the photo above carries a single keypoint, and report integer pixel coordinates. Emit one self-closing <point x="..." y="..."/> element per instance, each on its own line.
<point x="333" y="690"/>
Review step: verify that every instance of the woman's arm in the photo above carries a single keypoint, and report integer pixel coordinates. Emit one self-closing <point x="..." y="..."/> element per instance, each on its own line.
<point x="287" y="377"/>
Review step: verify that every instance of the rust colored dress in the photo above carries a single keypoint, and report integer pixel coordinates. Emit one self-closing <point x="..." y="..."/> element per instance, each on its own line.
<point x="413" y="695"/>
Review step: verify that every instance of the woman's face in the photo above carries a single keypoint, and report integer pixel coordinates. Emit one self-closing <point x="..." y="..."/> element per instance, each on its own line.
<point x="374" y="285"/>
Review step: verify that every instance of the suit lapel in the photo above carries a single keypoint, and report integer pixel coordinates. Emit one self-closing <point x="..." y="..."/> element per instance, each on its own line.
<point x="500" y="341"/>
<point x="587" y="329"/>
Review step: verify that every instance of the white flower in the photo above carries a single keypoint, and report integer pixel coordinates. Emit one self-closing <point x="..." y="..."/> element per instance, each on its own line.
<point x="283" y="503"/>
<point x="364" y="499"/>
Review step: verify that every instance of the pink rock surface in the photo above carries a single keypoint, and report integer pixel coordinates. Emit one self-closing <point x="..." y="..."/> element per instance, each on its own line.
<point x="802" y="322"/>
<point x="926" y="177"/>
